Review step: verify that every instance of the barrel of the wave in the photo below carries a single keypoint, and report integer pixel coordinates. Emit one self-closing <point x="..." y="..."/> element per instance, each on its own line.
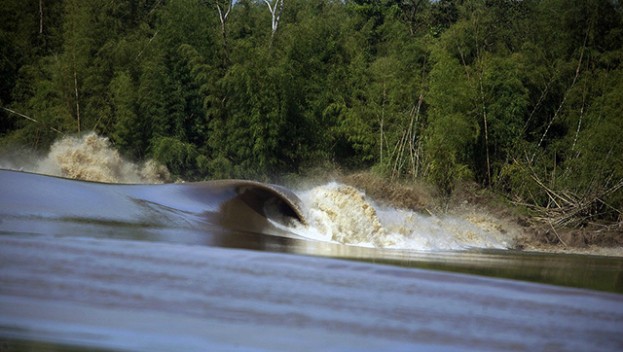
<point x="250" y="205"/>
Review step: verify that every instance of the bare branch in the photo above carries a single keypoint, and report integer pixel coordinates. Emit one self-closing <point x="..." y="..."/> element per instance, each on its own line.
<point x="485" y="123"/>
<point x="270" y="8"/>
<point x="538" y="103"/>
<point x="276" y="9"/>
<point x="40" y="16"/>
<point x="223" y="15"/>
<point x="577" y="131"/>
<point x="279" y="13"/>
<point x="27" y="118"/>
<point x="146" y="45"/>
<point x="564" y="98"/>
<point x="77" y="95"/>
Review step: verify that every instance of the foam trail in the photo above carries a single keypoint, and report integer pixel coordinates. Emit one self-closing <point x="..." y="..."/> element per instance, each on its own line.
<point x="342" y="214"/>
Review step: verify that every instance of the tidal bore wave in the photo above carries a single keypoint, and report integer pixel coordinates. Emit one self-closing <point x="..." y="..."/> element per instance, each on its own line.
<point x="129" y="265"/>
<point x="331" y="212"/>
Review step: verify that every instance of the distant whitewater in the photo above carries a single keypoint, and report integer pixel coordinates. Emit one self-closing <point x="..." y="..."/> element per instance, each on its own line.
<point x="342" y="214"/>
<point x="89" y="157"/>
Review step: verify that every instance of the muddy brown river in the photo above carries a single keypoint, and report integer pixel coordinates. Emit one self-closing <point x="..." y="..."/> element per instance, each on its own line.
<point x="238" y="266"/>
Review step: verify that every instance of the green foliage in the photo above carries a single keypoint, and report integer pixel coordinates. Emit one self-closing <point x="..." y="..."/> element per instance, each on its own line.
<point x="504" y="93"/>
<point x="506" y="102"/>
<point x="452" y="130"/>
<point x="128" y="128"/>
<point x="595" y="165"/>
<point x="175" y="154"/>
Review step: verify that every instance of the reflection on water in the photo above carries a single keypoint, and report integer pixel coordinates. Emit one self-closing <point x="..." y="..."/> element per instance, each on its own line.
<point x="128" y="294"/>
<point x="574" y="270"/>
<point x="593" y="272"/>
<point x="86" y="266"/>
<point x="193" y="214"/>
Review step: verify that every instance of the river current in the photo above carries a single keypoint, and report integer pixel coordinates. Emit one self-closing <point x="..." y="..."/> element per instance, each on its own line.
<point x="239" y="266"/>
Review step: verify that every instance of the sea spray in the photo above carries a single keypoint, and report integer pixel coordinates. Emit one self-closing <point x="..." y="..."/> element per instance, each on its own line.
<point x="91" y="157"/>
<point x="342" y="214"/>
<point x="335" y="212"/>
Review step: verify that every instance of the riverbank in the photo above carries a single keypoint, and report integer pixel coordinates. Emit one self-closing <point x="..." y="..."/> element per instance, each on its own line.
<point x="531" y="234"/>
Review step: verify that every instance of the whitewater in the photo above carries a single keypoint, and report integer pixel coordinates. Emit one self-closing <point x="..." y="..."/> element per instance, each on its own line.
<point x="335" y="212"/>
<point x="125" y="264"/>
<point x="342" y="214"/>
<point x="87" y="157"/>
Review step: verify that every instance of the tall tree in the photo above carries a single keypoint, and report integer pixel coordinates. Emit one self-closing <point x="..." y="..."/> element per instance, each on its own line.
<point x="275" y="7"/>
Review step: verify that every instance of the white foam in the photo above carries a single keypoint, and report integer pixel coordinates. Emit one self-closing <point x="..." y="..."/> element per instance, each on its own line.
<point x="90" y="157"/>
<point x="342" y="214"/>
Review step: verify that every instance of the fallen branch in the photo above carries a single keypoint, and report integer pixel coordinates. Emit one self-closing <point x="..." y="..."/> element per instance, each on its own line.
<point x="568" y="209"/>
<point x="557" y="235"/>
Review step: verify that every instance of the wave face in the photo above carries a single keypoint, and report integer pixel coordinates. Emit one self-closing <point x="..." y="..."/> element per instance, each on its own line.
<point x="101" y="266"/>
<point x="41" y="204"/>
<point x="333" y="212"/>
<point x="342" y="214"/>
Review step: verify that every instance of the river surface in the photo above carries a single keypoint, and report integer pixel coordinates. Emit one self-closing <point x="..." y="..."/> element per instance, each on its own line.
<point x="228" y="267"/>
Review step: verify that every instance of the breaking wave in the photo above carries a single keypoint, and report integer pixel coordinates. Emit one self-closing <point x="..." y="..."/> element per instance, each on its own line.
<point x="90" y="157"/>
<point x="333" y="212"/>
<point x="342" y="214"/>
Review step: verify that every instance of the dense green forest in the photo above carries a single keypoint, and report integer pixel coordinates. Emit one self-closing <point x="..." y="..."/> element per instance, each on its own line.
<point x="523" y="97"/>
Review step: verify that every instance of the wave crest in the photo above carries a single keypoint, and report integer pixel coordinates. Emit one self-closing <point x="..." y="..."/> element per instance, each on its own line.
<point x="342" y="214"/>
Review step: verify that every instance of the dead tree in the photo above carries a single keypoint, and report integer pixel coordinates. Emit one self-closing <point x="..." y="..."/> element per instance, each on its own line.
<point x="224" y="8"/>
<point x="276" y="9"/>
<point x="223" y="13"/>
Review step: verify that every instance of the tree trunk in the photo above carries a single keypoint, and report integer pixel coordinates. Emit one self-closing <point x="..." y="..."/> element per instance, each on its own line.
<point x="485" y="125"/>
<point x="223" y="14"/>
<point x="40" y="16"/>
<point x="77" y="97"/>
<point x="275" y="8"/>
